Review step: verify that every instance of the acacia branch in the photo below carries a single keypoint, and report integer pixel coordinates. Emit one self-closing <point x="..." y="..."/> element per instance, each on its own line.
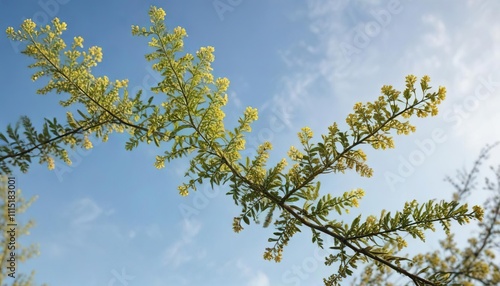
<point x="51" y="140"/>
<point x="360" y="141"/>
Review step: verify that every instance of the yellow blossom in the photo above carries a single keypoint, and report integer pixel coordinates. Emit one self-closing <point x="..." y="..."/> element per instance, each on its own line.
<point x="157" y="14"/>
<point x="295" y="154"/>
<point x="478" y="212"/>
<point x="355" y="202"/>
<point x="265" y="146"/>
<point x="370" y="220"/>
<point x="236" y="225"/>
<point x="121" y="83"/>
<point x="77" y="42"/>
<point x="50" y="163"/>
<point x="268" y="255"/>
<point x="222" y="84"/>
<point x="305" y="134"/>
<point x="180" y="32"/>
<point x="28" y="25"/>
<point x="442" y="93"/>
<point x="10" y="31"/>
<point x="183" y="190"/>
<point x="282" y="164"/>
<point x="251" y="113"/>
<point x="66" y="158"/>
<point x="96" y="53"/>
<point x="160" y="162"/>
<point x="86" y="143"/>
<point x="279" y="255"/>
<point x="410" y="81"/>
<point x="401" y="243"/>
<point x="359" y="193"/>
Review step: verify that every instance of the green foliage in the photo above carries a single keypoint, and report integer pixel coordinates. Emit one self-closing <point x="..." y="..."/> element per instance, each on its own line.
<point x="474" y="264"/>
<point x="189" y="122"/>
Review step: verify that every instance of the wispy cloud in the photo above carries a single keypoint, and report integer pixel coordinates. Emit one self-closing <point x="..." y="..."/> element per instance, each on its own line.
<point x="235" y="99"/>
<point x="260" y="279"/>
<point x="471" y="67"/>
<point x="254" y="277"/>
<point x="179" y="252"/>
<point x="439" y="37"/>
<point x="441" y="47"/>
<point x="84" y="211"/>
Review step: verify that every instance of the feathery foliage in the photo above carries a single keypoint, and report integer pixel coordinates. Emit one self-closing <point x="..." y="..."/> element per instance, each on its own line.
<point x="190" y="121"/>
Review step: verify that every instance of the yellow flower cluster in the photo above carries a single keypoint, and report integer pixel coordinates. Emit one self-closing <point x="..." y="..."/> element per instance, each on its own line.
<point x="409" y="206"/>
<point x="305" y="134"/>
<point x="359" y="193"/>
<point x="257" y="172"/>
<point x="10" y="31"/>
<point x="59" y="26"/>
<point x="265" y="147"/>
<point x="77" y="42"/>
<point x="279" y="255"/>
<point x="86" y="143"/>
<point x="157" y="14"/>
<point x="391" y="93"/>
<point x="412" y="79"/>
<point x="295" y="154"/>
<point x="159" y="162"/>
<point x="268" y="254"/>
<point x="256" y="175"/>
<point x="251" y="113"/>
<point x="28" y="26"/>
<point x="239" y="144"/>
<point x="271" y="254"/>
<point x="179" y="32"/>
<point x="237" y="225"/>
<point x="95" y="55"/>
<point x="281" y="165"/>
<point x="478" y="212"/>
<point x="121" y="83"/>
<point x="222" y="84"/>
<point x="183" y="190"/>
<point x="65" y="157"/>
<point x="371" y="220"/>
<point x="294" y="174"/>
<point x="206" y="53"/>
<point x="355" y="202"/>
<point x="50" y="163"/>
<point x="480" y="269"/>
<point x="401" y="243"/>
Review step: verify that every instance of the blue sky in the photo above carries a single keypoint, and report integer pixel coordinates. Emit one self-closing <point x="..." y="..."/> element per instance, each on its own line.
<point x="112" y="216"/>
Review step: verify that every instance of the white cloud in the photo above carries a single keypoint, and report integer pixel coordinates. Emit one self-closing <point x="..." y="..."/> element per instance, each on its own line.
<point x="438" y="37"/>
<point x="467" y="50"/>
<point x="84" y="211"/>
<point x="255" y="278"/>
<point x="180" y="251"/>
<point x="176" y="255"/>
<point x="243" y="268"/>
<point x="190" y="228"/>
<point x="295" y="96"/>
<point x="234" y="99"/>
<point x="449" y="47"/>
<point x="324" y="64"/>
<point x="260" y="279"/>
